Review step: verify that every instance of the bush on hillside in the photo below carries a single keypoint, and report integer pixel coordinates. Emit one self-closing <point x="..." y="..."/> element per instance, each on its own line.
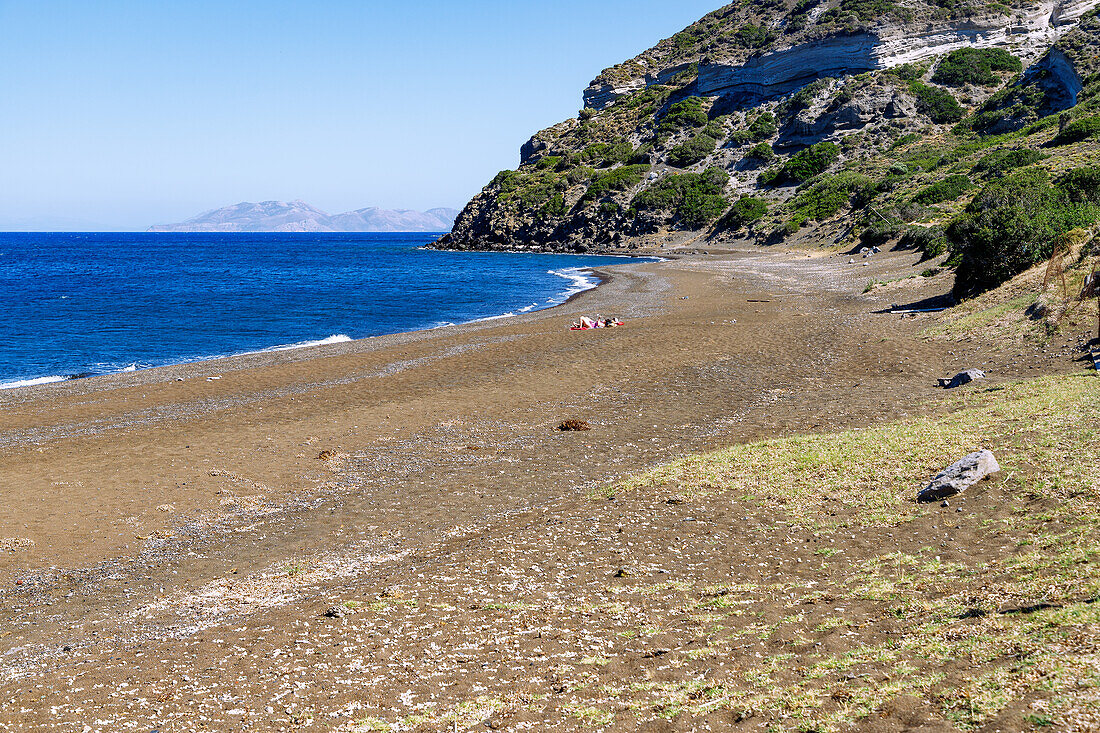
<point x="617" y="179"/>
<point x="1011" y="225"/>
<point x="929" y="241"/>
<point x="745" y="211"/>
<point x="1078" y="130"/>
<point x="1082" y="185"/>
<point x="810" y="162"/>
<point x="1000" y="162"/>
<point x="763" y="127"/>
<point x="685" y="113"/>
<point x="975" y="66"/>
<point x="693" y="151"/>
<point x="694" y="199"/>
<point x="605" y="155"/>
<point x="948" y="189"/>
<point x="832" y="193"/>
<point x="939" y="105"/>
<point x="761" y="153"/>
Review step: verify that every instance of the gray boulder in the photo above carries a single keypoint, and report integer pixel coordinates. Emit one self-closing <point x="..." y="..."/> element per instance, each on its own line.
<point x="960" y="476"/>
<point x="962" y="378"/>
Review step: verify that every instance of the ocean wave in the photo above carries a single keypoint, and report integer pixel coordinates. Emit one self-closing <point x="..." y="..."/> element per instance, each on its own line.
<point x="581" y="279"/>
<point x="338" y="338"/>
<point x="31" y="382"/>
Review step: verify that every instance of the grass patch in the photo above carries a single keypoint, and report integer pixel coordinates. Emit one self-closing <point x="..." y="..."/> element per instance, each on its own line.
<point x="876" y="472"/>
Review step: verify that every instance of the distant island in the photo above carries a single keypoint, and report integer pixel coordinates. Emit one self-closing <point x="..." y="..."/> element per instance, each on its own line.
<point x="298" y="216"/>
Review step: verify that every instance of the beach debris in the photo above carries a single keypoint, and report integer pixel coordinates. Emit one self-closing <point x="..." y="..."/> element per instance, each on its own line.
<point x="574" y="425"/>
<point x="212" y="379"/>
<point x="13" y="544"/>
<point x="327" y="455"/>
<point x="962" y="378"/>
<point x="960" y="476"/>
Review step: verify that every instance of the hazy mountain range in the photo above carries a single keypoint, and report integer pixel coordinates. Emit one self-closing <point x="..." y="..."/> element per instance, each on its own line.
<point x="298" y="216"/>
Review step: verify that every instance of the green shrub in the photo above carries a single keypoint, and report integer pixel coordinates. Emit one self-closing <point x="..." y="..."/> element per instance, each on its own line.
<point x="763" y="127"/>
<point x="1000" y="162"/>
<point x="580" y="174"/>
<point x="948" y="189"/>
<point x="832" y="193"/>
<point x="695" y="199"/>
<point x="641" y="156"/>
<point x="761" y="152"/>
<point x="1011" y="225"/>
<point x="554" y="208"/>
<point x="975" y="66"/>
<point x="770" y="176"/>
<point x="745" y="211"/>
<point x="929" y="241"/>
<point x="685" y="113"/>
<point x="879" y="234"/>
<point x="754" y="36"/>
<point x="505" y="181"/>
<point x="605" y="155"/>
<point x="716" y="129"/>
<point x="804" y="97"/>
<point x="865" y="10"/>
<point x="939" y="105"/>
<point x="1082" y="185"/>
<point x="617" y="179"/>
<point x="693" y="151"/>
<point x="908" y="72"/>
<point x="810" y="162"/>
<point x="1078" y="130"/>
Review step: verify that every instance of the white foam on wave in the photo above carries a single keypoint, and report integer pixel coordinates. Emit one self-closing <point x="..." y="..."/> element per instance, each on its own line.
<point x="581" y="279"/>
<point x="31" y="382"/>
<point x="493" y="318"/>
<point x="338" y="338"/>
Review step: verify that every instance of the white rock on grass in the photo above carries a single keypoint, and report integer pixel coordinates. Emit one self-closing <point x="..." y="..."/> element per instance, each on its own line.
<point x="960" y="476"/>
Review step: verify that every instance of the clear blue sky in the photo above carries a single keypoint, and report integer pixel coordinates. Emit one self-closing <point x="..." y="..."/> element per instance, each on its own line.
<point x="123" y="114"/>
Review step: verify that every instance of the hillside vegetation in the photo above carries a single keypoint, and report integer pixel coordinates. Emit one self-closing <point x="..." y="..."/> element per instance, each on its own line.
<point x="986" y="155"/>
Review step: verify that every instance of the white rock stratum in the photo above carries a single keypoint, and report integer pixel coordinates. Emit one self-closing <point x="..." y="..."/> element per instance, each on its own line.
<point x="785" y="69"/>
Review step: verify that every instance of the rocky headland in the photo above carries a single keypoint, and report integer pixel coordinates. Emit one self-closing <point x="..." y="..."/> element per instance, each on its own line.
<point x="831" y="122"/>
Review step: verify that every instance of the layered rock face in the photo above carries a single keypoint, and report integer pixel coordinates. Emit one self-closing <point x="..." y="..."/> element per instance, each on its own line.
<point x="672" y="138"/>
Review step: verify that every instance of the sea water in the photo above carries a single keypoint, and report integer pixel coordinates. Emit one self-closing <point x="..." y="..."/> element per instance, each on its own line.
<point x="80" y="304"/>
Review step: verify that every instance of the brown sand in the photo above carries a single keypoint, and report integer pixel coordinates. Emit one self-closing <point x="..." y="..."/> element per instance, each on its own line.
<point x="171" y="537"/>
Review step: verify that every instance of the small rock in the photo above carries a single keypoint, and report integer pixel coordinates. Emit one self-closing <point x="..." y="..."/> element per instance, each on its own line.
<point x="960" y="476"/>
<point x="326" y="455"/>
<point x="336" y="612"/>
<point x="851" y="262"/>
<point x="945" y="504"/>
<point x="675" y="499"/>
<point x="962" y="378"/>
<point x="620" y="573"/>
<point x="875" y="250"/>
<point x="572" y="425"/>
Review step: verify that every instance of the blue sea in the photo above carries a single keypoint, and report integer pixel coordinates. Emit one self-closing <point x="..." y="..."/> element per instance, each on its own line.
<point x="80" y="304"/>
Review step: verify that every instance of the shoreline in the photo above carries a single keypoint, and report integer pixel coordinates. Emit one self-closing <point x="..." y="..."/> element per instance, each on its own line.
<point x="570" y="294"/>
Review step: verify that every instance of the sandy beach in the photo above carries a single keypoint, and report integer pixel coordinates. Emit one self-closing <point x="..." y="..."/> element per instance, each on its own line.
<point x="363" y="533"/>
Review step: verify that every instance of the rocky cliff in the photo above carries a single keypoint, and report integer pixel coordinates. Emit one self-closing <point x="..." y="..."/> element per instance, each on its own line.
<point x="770" y="116"/>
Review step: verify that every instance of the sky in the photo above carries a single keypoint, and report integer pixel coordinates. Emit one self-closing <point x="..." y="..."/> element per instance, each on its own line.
<point x="122" y="114"/>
